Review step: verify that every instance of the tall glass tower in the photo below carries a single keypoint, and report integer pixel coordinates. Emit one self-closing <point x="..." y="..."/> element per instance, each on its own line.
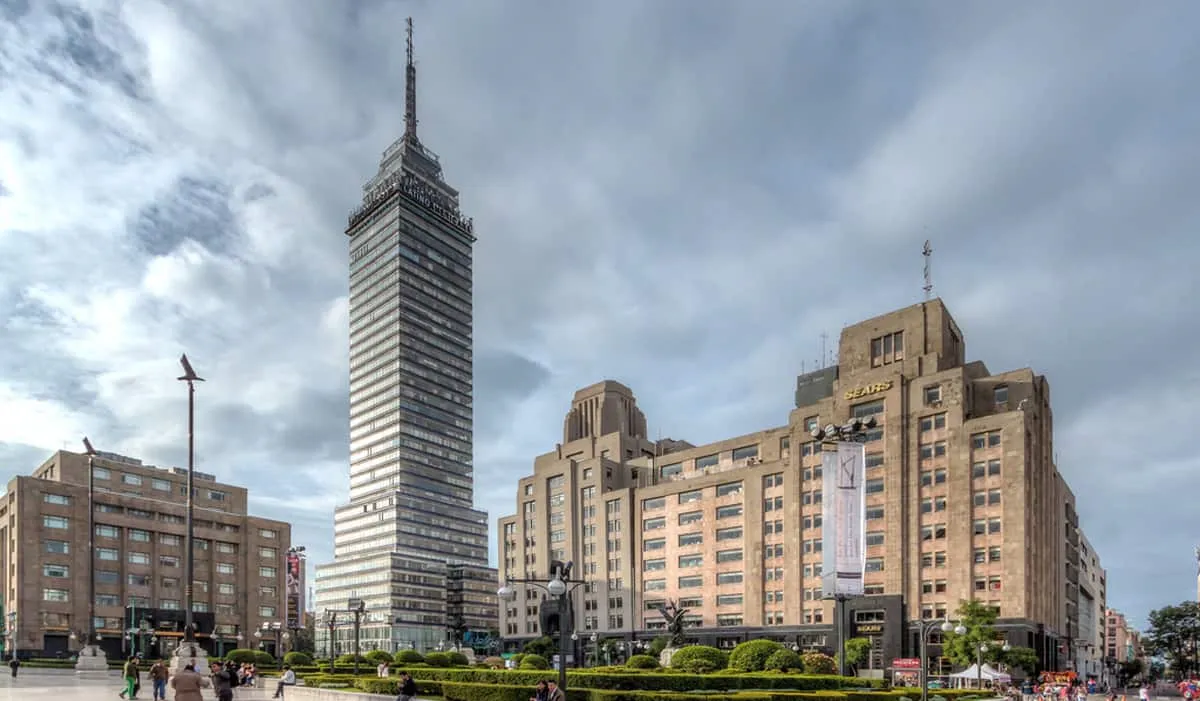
<point x="411" y="514"/>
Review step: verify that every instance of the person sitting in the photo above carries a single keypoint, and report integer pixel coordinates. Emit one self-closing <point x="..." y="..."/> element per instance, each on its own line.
<point x="288" y="679"/>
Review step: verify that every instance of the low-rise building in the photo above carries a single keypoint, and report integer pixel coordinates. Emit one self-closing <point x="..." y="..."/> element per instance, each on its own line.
<point x="139" y="534"/>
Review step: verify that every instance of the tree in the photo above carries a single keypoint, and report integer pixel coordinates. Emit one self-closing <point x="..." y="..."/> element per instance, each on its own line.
<point x="857" y="650"/>
<point x="456" y="627"/>
<point x="1173" y="634"/>
<point x="978" y="619"/>
<point x="543" y="646"/>
<point x="1130" y="670"/>
<point x="1020" y="658"/>
<point x="305" y="639"/>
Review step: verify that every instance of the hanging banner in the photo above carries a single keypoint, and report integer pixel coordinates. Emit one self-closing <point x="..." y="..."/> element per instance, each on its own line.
<point x="842" y="534"/>
<point x="295" y="590"/>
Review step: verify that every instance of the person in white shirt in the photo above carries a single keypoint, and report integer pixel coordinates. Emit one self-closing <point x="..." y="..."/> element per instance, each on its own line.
<point x="288" y="679"/>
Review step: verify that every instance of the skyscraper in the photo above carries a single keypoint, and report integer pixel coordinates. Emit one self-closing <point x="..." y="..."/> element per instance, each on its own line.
<point x="410" y="514"/>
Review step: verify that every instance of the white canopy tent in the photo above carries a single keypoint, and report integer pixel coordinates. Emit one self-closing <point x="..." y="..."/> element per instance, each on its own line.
<point x="987" y="674"/>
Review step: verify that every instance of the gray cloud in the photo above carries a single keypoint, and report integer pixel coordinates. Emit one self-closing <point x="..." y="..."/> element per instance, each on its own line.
<point x="686" y="210"/>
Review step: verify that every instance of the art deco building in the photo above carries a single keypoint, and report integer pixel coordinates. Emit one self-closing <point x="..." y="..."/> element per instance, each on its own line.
<point x="411" y="511"/>
<point x="239" y="582"/>
<point x="963" y="501"/>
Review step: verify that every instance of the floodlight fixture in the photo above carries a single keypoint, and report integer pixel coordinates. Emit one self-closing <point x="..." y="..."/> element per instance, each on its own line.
<point x="189" y="374"/>
<point x="87" y="447"/>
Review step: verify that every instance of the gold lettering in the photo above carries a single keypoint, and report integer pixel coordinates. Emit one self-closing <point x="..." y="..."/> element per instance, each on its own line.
<point x="866" y="390"/>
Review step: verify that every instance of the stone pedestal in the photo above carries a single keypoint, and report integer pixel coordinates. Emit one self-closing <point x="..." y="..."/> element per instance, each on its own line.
<point x="190" y="654"/>
<point x="91" y="659"/>
<point x="664" y="657"/>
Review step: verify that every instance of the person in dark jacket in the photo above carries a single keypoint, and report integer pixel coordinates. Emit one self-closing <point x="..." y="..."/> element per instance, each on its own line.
<point x="408" y="687"/>
<point x="221" y="682"/>
<point x="14" y="664"/>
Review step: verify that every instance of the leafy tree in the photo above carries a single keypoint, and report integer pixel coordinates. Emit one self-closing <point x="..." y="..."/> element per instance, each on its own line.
<point x="642" y="662"/>
<point x="857" y="650"/>
<point x="1020" y="658"/>
<point x="979" y="620"/>
<point x="658" y="645"/>
<point x="543" y="647"/>
<point x="818" y="663"/>
<point x="1173" y="632"/>
<point x="532" y="661"/>
<point x="305" y="639"/>
<point x="456" y="627"/>
<point x="1129" y="670"/>
<point x="785" y="660"/>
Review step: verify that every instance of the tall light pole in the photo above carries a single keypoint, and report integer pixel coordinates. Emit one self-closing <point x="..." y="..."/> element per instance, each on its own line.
<point x="983" y="649"/>
<point x="191" y="378"/>
<point x="91" y="658"/>
<point x="927" y="628"/>
<point x="559" y="587"/>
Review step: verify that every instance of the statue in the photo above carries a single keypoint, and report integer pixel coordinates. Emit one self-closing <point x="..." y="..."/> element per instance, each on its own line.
<point x="673" y="615"/>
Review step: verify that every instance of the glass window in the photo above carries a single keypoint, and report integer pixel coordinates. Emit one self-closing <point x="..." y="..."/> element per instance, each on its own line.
<point x="134" y="480"/>
<point x="731" y="511"/>
<point x="707" y="461"/>
<point x="266" y="572"/>
<point x="654" y="544"/>
<point x="160" y="485"/>
<point x="56" y="571"/>
<point x="689" y="539"/>
<point x="731" y="488"/>
<point x="724" y="578"/>
<point x="57" y="547"/>
<point x="729" y="555"/>
<point x="690" y="517"/>
<point x="56" y="499"/>
<point x="691" y="560"/>
<point x="654" y="503"/>
<point x="56" y="522"/>
<point x="729" y="533"/>
<point x="688" y="497"/>
<point x="691" y="582"/>
<point x="654" y="524"/>
<point x="745" y="452"/>
<point x="55" y="595"/>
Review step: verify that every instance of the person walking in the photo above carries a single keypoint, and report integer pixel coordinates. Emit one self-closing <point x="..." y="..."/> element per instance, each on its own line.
<point x="130" y="674"/>
<point x="187" y="685"/>
<point x="158" y="677"/>
<point x="553" y="692"/>
<point x="14" y="664"/>
<point x="221" y="682"/>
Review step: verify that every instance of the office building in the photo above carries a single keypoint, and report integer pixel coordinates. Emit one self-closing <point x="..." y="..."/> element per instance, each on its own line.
<point x="411" y="512"/>
<point x="963" y="501"/>
<point x="1123" y="642"/>
<point x="140" y="514"/>
<point x="1091" y="589"/>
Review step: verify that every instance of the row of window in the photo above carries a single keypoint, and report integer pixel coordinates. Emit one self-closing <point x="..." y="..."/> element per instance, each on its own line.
<point x="692" y="560"/>
<point x="62" y="547"/>
<point x="64" y="596"/>
<point x="684" y="519"/>
<point x="161" y="485"/>
<point x="694" y="581"/>
<point x="62" y="523"/>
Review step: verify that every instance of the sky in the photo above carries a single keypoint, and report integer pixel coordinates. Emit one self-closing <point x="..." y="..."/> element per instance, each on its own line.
<point x="680" y="195"/>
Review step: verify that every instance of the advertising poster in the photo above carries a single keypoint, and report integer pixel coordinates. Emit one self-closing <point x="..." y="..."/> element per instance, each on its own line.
<point x="295" y="589"/>
<point x="843" y="468"/>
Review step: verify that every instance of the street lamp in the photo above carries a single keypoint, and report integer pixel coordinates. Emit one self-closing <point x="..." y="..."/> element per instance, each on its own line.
<point x="927" y="628"/>
<point x="191" y="378"/>
<point x="979" y="653"/>
<point x="91" y="658"/>
<point x="853" y="431"/>
<point x="560" y="587"/>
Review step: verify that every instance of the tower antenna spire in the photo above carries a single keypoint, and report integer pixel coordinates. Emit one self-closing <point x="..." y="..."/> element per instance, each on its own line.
<point x="927" y="252"/>
<point x="410" y="90"/>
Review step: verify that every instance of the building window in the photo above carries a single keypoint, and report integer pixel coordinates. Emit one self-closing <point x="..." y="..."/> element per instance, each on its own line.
<point x="653" y="565"/>
<point x="136" y="558"/>
<point x="724" y="490"/>
<point x="215" y="495"/>
<point x="653" y="504"/>
<point x="101" y="473"/>
<point x="874" y="538"/>
<point x="1000" y="393"/>
<point x="160" y="485"/>
<point x="655" y="585"/>
<point x="729" y="600"/>
<point x="56" y="571"/>
<point x="224" y="568"/>
<point x="654" y="544"/>
<point x="690" y="539"/>
<point x="267" y="533"/>
<point x="691" y="582"/>
<point x="724" y="578"/>
<point x="887" y="349"/>
<point x="933" y="395"/>
<point x="873" y="513"/>
<point x="986" y="439"/>
<point x="654" y="524"/>
<point x="707" y="461"/>
<point x="268" y="553"/>
<point x="936" y="449"/>
<point x="139" y="536"/>
<point x="56" y="499"/>
<point x="874" y="564"/>
<point x="55" y="595"/>
<point x="56" y="522"/>
<point x="811" y="423"/>
<point x="874" y="486"/>
<point x="268" y="572"/>
<point x="689" y="497"/>
<point x="691" y="560"/>
<point x="266" y="611"/>
<point x="731" y="511"/>
<point x="932" y="423"/>
<point x="107" y="532"/>
<point x="168" y="561"/>
<point x="993" y="526"/>
<point x="134" y="480"/>
<point x="108" y="554"/>
<point x="745" y="453"/>
<point x="862" y="411"/>
<point x="993" y="497"/>
<point x="729" y="555"/>
<point x="994" y="553"/>
<point x="734" y="533"/>
<point x="57" y="547"/>
<point x="670" y="470"/>
<point x="687" y="519"/>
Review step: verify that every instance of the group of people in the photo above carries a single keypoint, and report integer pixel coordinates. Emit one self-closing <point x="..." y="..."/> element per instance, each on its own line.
<point x="548" y="690"/>
<point x="223" y="678"/>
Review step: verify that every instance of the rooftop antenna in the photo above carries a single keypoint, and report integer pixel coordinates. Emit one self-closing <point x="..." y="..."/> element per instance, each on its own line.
<point x="410" y="91"/>
<point x="927" y="252"/>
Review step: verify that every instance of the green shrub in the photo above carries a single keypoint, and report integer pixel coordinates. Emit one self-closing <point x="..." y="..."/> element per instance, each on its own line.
<point x="241" y="656"/>
<point x="378" y="657"/>
<point x="751" y="656"/>
<point x="534" y="662"/>
<point x="494" y="663"/>
<point x="297" y="659"/>
<point x="407" y="657"/>
<point x="348" y="659"/>
<point x="641" y="662"/>
<point x="437" y="659"/>
<point x="784" y="660"/>
<point x="516" y="659"/>
<point x="263" y="659"/>
<point x="699" y="659"/>
<point x="457" y="659"/>
<point x="818" y="663"/>
<point x="391" y="686"/>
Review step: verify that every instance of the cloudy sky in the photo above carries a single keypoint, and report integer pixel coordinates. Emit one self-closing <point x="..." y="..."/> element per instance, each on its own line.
<point x="680" y="195"/>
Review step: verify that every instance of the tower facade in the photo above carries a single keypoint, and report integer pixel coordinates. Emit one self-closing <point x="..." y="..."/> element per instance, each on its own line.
<point x="411" y="516"/>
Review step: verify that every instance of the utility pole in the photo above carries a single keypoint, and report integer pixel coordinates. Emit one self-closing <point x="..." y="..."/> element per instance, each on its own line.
<point x="358" y="611"/>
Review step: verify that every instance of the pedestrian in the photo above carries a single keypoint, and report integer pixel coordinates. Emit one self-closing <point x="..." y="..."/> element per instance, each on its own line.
<point x="288" y="679"/>
<point x="187" y="684"/>
<point x="554" y="693"/>
<point x="540" y="691"/>
<point x="158" y="677"/>
<point x="221" y="682"/>
<point x="130" y="675"/>
<point x="408" y="687"/>
<point x="14" y="664"/>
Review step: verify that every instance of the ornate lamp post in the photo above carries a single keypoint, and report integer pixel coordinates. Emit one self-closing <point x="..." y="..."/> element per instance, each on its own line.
<point x="188" y="648"/>
<point x="927" y="628"/>
<point x="91" y="657"/>
<point x="983" y="649"/>
<point x="559" y="587"/>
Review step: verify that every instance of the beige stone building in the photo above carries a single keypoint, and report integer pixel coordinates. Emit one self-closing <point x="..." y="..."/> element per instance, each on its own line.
<point x="963" y="500"/>
<point x="140" y="511"/>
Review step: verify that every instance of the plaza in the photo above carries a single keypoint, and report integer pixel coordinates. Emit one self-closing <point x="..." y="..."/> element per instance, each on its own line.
<point x="68" y="685"/>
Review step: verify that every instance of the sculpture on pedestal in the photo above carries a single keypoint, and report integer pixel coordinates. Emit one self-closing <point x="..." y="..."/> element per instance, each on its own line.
<point x="673" y="615"/>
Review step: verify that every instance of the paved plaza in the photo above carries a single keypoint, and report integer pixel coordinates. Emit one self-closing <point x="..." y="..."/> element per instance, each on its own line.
<point x="67" y="685"/>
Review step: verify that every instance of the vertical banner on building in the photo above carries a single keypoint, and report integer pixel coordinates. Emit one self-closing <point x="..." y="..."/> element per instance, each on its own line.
<point x="295" y="589"/>
<point x="842" y="536"/>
